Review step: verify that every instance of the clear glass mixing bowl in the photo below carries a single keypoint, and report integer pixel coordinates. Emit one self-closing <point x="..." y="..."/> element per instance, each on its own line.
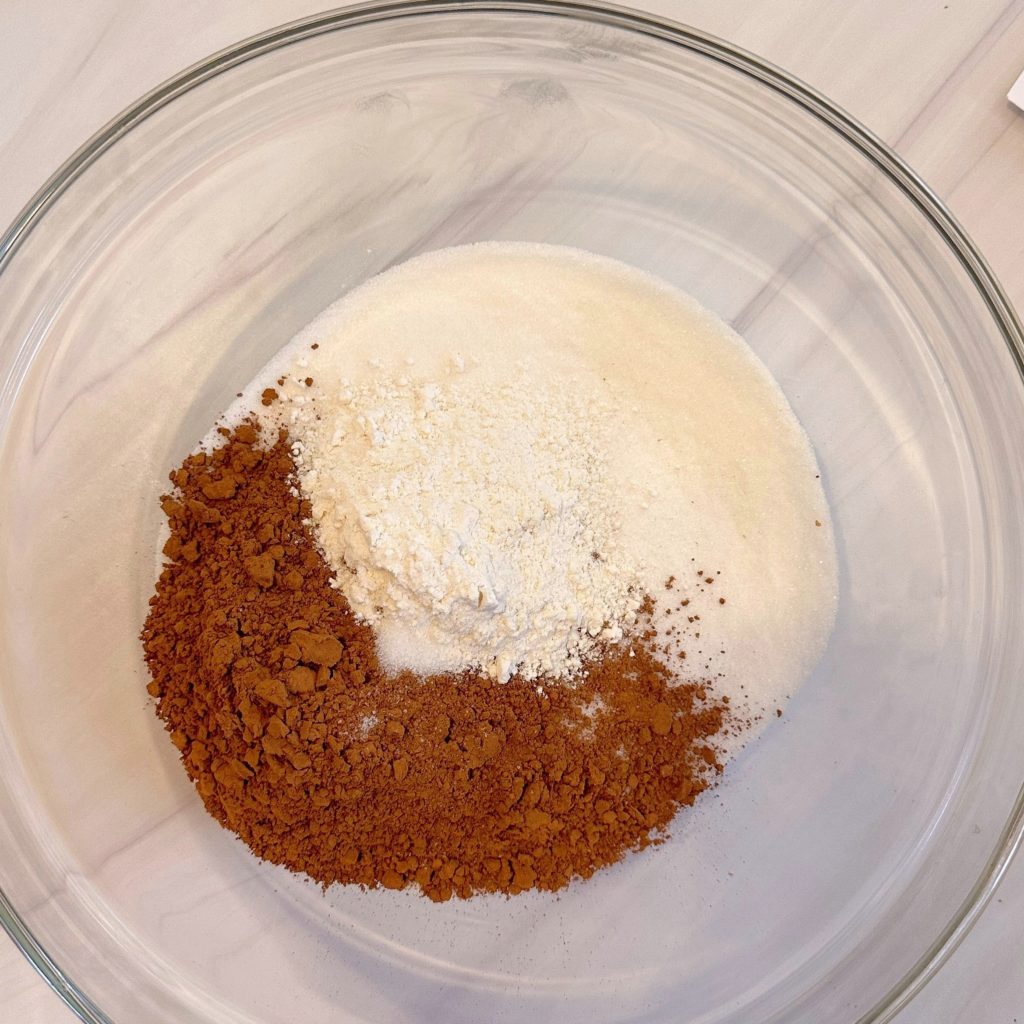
<point x="846" y="853"/>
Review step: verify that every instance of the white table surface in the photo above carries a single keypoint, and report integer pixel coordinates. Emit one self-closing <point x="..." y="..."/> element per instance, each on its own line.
<point x="929" y="76"/>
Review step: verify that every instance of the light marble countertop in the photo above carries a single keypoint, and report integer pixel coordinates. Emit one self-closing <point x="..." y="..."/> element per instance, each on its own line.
<point x="930" y="77"/>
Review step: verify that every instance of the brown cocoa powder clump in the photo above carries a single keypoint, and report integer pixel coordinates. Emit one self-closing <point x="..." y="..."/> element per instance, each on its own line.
<point x="299" y="742"/>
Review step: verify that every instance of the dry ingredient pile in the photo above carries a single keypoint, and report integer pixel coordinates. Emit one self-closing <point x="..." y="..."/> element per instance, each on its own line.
<point x="454" y="598"/>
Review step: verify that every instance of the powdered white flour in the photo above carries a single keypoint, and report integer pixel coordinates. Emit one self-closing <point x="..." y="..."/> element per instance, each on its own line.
<point x="474" y="524"/>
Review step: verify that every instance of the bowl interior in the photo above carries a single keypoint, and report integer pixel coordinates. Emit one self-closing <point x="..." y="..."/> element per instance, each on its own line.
<point x="837" y="848"/>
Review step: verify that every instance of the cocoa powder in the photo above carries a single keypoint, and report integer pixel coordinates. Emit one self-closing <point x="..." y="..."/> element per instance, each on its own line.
<point x="298" y="741"/>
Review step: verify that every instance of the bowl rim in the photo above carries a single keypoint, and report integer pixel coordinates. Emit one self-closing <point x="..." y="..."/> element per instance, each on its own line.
<point x="666" y="30"/>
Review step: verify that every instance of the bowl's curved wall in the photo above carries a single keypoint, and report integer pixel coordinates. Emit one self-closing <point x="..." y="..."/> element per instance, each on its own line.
<point x="185" y="250"/>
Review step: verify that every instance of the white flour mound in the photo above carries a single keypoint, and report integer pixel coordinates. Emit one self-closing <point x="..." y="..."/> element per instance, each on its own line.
<point x="471" y="525"/>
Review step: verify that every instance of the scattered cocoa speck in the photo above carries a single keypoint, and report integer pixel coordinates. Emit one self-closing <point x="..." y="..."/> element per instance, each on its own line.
<point x="318" y="648"/>
<point x="221" y="488"/>
<point x="308" y="382"/>
<point x="293" y="579"/>
<point x="246" y="433"/>
<point x="269" y="396"/>
<point x="260" y="568"/>
<point x="301" y="679"/>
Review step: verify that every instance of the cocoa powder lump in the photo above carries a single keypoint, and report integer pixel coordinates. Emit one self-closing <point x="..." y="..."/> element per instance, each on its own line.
<point x="300" y="743"/>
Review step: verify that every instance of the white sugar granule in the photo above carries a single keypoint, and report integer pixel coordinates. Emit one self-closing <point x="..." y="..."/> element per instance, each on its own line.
<point x="474" y="526"/>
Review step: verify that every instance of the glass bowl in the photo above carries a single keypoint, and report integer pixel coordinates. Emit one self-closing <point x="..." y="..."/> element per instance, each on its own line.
<point x="845" y="853"/>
